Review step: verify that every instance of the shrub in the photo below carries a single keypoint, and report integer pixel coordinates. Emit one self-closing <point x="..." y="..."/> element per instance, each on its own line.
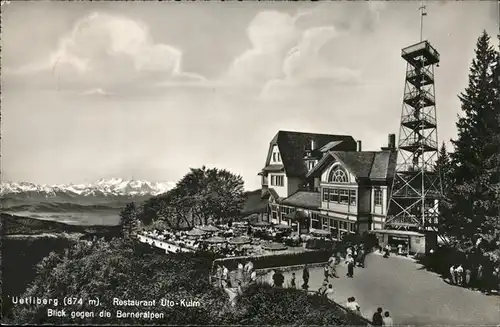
<point x="319" y="244"/>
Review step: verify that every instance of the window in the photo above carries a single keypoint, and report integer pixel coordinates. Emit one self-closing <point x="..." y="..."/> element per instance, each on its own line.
<point x="310" y="165"/>
<point x="326" y="194"/>
<point x="274" y="157"/>
<point x="334" y="195"/>
<point x="315" y="224"/>
<point x="279" y="157"/>
<point x="338" y="175"/>
<point x="352" y="197"/>
<point x="344" y="196"/>
<point x="378" y="197"/>
<point x="277" y="180"/>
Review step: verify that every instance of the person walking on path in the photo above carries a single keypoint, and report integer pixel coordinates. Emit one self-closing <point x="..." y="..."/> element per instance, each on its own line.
<point x="452" y="275"/>
<point x="387" y="251"/>
<point x="377" y="318"/>
<point x="326" y="271"/>
<point x="350" y="267"/>
<point x="305" y="277"/>
<point x="387" y="319"/>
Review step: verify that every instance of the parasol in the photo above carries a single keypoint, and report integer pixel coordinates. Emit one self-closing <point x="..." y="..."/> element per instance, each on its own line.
<point x="240" y="240"/>
<point x="261" y="224"/>
<point x="209" y="228"/>
<point x="274" y="246"/>
<point x="195" y="232"/>
<point x="281" y="226"/>
<point x="216" y="239"/>
<point x="320" y="232"/>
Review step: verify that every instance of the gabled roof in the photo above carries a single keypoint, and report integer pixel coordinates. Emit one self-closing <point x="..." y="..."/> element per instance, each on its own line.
<point x="276" y="168"/>
<point x="293" y="147"/>
<point x="304" y="199"/>
<point x="374" y="165"/>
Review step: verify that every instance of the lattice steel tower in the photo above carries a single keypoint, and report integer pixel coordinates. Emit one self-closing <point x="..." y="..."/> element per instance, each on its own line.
<point x="416" y="188"/>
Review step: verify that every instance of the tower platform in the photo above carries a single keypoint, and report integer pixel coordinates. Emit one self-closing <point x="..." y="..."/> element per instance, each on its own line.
<point x="420" y="54"/>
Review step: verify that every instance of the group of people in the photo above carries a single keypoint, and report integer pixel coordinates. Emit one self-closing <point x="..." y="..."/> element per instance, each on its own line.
<point x="245" y="274"/>
<point x="466" y="277"/>
<point x="382" y="320"/>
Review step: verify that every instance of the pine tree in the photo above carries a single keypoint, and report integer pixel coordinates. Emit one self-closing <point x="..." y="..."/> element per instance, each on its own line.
<point x="443" y="167"/>
<point x="128" y="220"/>
<point x="473" y="198"/>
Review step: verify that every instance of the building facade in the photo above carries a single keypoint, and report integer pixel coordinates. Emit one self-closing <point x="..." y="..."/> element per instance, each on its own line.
<point x="326" y="182"/>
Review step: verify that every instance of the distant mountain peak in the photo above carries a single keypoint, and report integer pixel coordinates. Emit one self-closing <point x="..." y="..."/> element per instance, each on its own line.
<point x="105" y="187"/>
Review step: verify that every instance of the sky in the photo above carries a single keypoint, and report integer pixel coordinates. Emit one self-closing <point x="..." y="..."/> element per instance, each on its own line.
<point x="146" y="90"/>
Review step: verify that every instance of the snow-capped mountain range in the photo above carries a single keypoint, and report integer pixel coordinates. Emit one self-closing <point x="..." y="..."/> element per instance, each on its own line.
<point x="114" y="187"/>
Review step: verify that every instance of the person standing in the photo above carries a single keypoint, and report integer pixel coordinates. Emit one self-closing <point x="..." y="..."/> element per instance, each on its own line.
<point x="377" y="318"/>
<point x="218" y="275"/>
<point x="387" y="251"/>
<point x="329" y="291"/>
<point x="253" y="277"/>
<point x="460" y="275"/>
<point x="352" y="305"/>
<point x="278" y="279"/>
<point x="350" y="267"/>
<point x="452" y="275"/>
<point x="305" y="277"/>
<point x="479" y="278"/>
<point x="293" y="283"/>
<point x="225" y="274"/>
<point x="467" y="276"/>
<point x="387" y="320"/>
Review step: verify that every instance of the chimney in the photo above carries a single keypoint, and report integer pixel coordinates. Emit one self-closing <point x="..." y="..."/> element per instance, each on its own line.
<point x="392" y="142"/>
<point x="313" y="145"/>
<point x="359" y="145"/>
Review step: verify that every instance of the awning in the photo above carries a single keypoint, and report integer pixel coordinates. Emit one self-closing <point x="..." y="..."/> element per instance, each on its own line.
<point x="320" y="232"/>
<point x="209" y="228"/>
<point x="196" y="232"/>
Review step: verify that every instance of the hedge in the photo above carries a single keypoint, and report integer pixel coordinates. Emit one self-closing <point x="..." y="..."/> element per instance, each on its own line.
<point x="319" y="244"/>
<point x="278" y="260"/>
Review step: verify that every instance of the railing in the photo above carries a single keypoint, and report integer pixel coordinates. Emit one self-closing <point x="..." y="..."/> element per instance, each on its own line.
<point x="424" y="117"/>
<point x="421" y="46"/>
<point x="420" y="71"/>
<point x="414" y="141"/>
<point x="418" y="94"/>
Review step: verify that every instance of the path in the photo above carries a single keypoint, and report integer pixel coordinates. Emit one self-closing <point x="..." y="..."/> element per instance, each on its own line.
<point x="412" y="295"/>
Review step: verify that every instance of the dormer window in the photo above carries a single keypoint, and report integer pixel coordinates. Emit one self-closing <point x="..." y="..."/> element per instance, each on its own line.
<point x="276" y="157"/>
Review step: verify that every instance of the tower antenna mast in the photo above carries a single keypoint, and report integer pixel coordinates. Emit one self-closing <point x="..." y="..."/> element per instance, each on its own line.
<point x="422" y="14"/>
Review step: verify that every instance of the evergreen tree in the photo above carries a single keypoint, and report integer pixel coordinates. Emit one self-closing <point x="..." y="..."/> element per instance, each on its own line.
<point x="443" y="167"/>
<point x="128" y="220"/>
<point x="475" y="224"/>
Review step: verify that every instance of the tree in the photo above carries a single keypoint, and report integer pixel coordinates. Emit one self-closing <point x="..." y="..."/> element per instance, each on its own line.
<point x="216" y="194"/>
<point x="128" y="220"/>
<point x="474" y="196"/>
<point x="201" y="195"/>
<point x="443" y="167"/>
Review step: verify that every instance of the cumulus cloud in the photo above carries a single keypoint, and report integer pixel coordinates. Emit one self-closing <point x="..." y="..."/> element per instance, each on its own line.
<point x="286" y="50"/>
<point x="110" y="53"/>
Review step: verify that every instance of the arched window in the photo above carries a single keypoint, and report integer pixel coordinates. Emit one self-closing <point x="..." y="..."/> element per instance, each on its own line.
<point x="338" y="175"/>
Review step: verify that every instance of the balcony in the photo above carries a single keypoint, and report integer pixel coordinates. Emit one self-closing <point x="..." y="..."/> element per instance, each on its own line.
<point x="424" y="121"/>
<point x="420" y="54"/>
<point x="414" y="144"/>
<point x="419" y="98"/>
<point x="420" y="77"/>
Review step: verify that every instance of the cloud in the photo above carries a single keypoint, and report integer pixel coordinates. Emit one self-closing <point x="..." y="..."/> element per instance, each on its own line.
<point x="110" y="53"/>
<point x="287" y="51"/>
